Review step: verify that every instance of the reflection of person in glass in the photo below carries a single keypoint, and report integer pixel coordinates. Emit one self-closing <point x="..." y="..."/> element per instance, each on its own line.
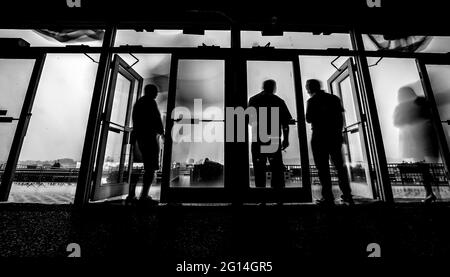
<point x="325" y="113"/>
<point x="268" y="99"/>
<point x="418" y="141"/>
<point x="147" y="126"/>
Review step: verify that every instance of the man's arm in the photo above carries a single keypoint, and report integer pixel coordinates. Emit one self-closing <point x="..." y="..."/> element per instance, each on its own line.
<point x="309" y="112"/>
<point x="286" y="119"/>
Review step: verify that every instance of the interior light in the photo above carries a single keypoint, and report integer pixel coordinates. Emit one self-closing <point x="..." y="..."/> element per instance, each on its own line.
<point x="168" y="32"/>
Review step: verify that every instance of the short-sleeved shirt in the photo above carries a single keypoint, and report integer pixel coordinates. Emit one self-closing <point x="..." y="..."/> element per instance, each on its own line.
<point x="269" y="100"/>
<point x="324" y="112"/>
<point x="147" y="121"/>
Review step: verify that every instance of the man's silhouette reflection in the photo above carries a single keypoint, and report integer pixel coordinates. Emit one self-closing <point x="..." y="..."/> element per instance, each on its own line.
<point x="268" y="99"/>
<point x="325" y="113"/>
<point x="147" y="126"/>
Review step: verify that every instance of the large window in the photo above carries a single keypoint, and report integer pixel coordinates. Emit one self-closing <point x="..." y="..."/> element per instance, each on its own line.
<point x="49" y="162"/>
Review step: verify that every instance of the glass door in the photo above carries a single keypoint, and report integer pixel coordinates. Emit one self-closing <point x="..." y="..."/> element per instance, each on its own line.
<point x="19" y="78"/>
<point x="266" y="183"/>
<point x="113" y="168"/>
<point x="194" y="163"/>
<point x="343" y="83"/>
<point x="436" y="83"/>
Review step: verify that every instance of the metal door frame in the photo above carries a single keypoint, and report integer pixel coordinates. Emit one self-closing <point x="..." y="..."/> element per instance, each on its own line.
<point x="347" y="70"/>
<point x="119" y="66"/>
<point x="189" y="194"/>
<point x="295" y="194"/>
<point x="436" y="120"/>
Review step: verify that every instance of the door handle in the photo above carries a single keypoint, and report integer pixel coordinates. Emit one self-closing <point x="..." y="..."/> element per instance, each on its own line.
<point x="115" y="130"/>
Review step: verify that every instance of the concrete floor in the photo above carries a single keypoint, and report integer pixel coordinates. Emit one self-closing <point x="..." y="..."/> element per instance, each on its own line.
<point x="177" y="233"/>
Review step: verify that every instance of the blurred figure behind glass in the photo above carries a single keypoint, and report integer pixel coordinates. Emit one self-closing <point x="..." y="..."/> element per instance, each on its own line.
<point x="418" y="140"/>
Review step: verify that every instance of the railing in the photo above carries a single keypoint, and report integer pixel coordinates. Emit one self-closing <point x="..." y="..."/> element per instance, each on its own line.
<point x="401" y="174"/>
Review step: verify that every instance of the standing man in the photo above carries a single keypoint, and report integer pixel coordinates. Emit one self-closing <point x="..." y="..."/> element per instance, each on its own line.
<point x="147" y="126"/>
<point x="268" y="99"/>
<point x="325" y="113"/>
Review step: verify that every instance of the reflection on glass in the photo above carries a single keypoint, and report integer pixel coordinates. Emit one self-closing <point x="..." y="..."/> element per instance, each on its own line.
<point x="408" y="136"/>
<point x="120" y="102"/>
<point x="56" y="38"/>
<point x="172" y="38"/>
<point x="425" y="44"/>
<point x="49" y="161"/>
<point x="282" y="73"/>
<point x="296" y="40"/>
<point x="198" y="147"/>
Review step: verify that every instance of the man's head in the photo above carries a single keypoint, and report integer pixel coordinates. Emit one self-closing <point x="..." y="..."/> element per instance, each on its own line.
<point x="151" y="91"/>
<point x="269" y="86"/>
<point x="313" y="86"/>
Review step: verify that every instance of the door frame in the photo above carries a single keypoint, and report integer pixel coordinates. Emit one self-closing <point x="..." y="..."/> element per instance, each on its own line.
<point x="348" y="70"/>
<point x="24" y="119"/>
<point x="295" y="194"/>
<point x="189" y="194"/>
<point x="119" y="66"/>
<point x="421" y="64"/>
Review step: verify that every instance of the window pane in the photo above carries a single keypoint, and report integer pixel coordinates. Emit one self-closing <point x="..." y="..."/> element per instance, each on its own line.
<point x="409" y="139"/>
<point x="296" y="40"/>
<point x="198" y="142"/>
<point x="50" y="158"/>
<point x="120" y="101"/>
<point x="172" y="38"/>
<point x="15" y="76"/>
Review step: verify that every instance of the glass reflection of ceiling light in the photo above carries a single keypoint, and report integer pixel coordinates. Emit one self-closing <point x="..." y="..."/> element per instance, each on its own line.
<point x="168" y="32"/>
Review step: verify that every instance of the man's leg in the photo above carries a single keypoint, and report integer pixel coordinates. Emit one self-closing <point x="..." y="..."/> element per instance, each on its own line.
<point x="259" y="166"/>
<point x="148" y="179"/>
<point x="277" y="166"/>
<point x="321" y="159"/>
<point x="338" y="162"/>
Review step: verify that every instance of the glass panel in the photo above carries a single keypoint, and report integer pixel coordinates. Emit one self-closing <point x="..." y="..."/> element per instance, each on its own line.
<point x="172" y="38"/>
<point x="425" y="44"/>
<point x="56" y="38"/>
<point x="49" y="162"/>
<point x="353" y="146"/>
<point x="15" y="76"/>
<point x="296" y="40"/>
<point x="120" y="101"/>
<point x="198" y="147"/>
<point x="111" y="165"/>
<point x="282" y="73"/>
<point x="409" y="138"/>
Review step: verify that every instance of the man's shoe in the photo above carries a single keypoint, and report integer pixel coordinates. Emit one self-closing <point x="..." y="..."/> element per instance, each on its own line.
<point x="347" y="200"/>
<point x="130" y="200"/>
<point x="430" y="199"/>
<point x="324" y="202"/>
<point x="147" y="200"/>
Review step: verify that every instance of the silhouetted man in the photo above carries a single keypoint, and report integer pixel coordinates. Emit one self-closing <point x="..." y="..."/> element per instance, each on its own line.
<point x="147" y="125"/>
<point x="268" y="99"/>
<point x="325" y="113"/>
